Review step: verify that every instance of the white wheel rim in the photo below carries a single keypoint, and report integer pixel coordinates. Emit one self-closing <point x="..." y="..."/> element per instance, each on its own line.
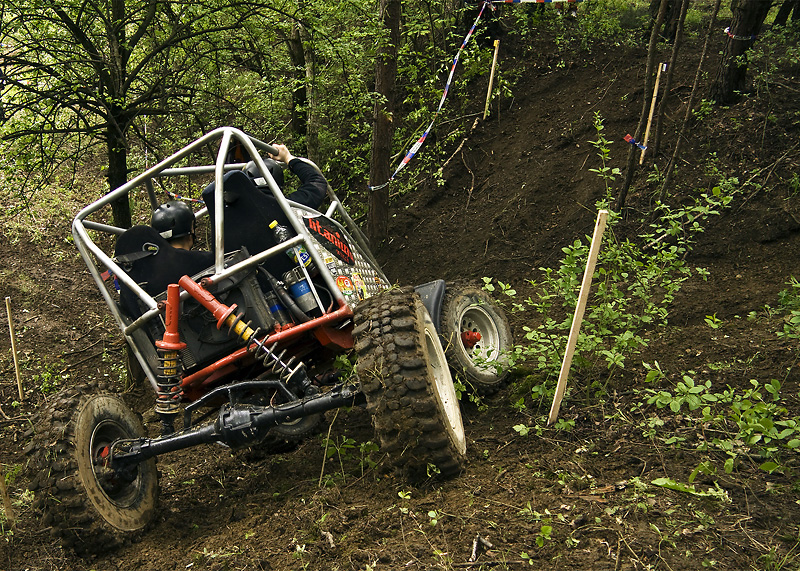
<point x="487" y="350"/>
<point x="443" y="387"/>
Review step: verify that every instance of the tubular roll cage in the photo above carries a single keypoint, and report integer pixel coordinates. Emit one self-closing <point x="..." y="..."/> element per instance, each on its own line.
<point x="96" y="258"/>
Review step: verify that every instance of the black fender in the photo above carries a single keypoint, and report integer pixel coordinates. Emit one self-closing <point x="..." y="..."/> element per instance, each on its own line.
<point x="432" y="294"/>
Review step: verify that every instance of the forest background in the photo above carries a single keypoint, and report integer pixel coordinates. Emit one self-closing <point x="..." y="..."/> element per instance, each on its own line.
<point x="340" y="82"/>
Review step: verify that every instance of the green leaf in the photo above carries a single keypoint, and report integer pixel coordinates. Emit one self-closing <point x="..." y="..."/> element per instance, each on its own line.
<point x="522" y="430"/>
<point x="729" y="465"/>
<point x="769" y="467"/>
<point x="671" y="484"/>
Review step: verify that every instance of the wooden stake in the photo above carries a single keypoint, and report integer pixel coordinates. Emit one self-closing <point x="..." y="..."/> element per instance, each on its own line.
<point x="661" y="68"/>
<point x="586" y="285"/>
<point x="13" y="335"/>
<point x="491" y="79"/>
<point x="10" y="517"/>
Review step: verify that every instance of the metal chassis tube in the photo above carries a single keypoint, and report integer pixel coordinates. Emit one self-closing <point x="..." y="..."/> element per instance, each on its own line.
<point x="221" y="311"/>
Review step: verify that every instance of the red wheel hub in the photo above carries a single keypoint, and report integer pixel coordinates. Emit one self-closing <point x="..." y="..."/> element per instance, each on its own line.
<point x="470" y="338"/>
<point x="103" y="456"/>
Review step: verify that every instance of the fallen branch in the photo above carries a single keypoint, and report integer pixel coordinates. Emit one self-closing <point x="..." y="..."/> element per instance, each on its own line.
<point x="73" y="365"/>
<point x="472" y="184"/>
<point x="769" y="174"/>
<point x="460" y="145"/>
<point x="74" y="352"/>
<point x="475" y="543"/>
<point x="493" y="563"/>
<point x="619" y="553"/>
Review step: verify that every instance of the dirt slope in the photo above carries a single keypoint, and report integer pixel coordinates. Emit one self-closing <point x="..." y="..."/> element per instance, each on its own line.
<point x="518" y="191"/>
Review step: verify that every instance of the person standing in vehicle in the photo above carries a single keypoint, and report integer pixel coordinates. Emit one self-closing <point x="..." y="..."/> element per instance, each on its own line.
<point x="250" y="205"/>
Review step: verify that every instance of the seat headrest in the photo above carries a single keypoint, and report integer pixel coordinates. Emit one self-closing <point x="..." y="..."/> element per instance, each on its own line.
<point x="140" y="239"/>
<point x="236" y="184"/>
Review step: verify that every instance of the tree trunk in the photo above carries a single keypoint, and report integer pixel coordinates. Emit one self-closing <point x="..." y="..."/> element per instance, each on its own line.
<point x="788" y="6"/>
<point x="673" y="60"/>
<point x="385" y="77"/>
<point x="116" y="130"/>
<point x="118" y="174"/>
<point x="619" y="203"/>
<point x="670" y="24"/>
<point x="748" y="16"/>
<point x="299" y="96"/>
<point x="679" y="139"/>
<point x="2" y="89"/>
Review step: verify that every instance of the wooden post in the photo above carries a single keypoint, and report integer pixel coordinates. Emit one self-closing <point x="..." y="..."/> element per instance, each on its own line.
<point x="13" y="335"/>
<point x="661" y="68"/>
<point x="491" y="79"/>
<point x="586" y="285"/>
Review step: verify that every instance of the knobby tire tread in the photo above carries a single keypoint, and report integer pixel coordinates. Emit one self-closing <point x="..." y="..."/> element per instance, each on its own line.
<point x="393" y="373"/>
<point x="59" y="495"/>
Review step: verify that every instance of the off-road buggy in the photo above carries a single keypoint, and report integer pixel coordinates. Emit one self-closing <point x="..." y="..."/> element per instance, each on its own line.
<point x="241" y="354"/>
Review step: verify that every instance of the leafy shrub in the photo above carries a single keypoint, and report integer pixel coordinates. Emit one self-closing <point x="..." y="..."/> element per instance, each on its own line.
<point x="635" y="281"/>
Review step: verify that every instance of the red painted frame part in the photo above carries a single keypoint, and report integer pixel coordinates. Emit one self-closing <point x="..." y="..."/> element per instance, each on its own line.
<point x="194" y="383"/>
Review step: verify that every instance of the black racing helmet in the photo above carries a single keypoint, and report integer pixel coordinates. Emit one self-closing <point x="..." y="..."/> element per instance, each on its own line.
<point x="173" y="219"/>
<point x="274" y="168"/>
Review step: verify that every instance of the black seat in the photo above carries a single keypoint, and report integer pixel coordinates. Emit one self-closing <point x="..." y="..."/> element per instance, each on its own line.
<point x="154" y="264"/>
<point x="248" y="214"/>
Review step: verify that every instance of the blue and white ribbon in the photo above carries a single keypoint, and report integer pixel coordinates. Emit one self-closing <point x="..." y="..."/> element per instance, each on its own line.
<point x="415" y="147"/>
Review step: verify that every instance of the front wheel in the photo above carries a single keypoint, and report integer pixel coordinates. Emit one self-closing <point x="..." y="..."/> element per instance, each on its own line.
<point x="407" y="385"/>
<point x="88" y="505"/>
<point x="476" y="337"/>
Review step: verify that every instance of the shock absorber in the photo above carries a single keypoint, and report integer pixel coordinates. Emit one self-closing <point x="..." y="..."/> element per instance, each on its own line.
<point x="226" y="317"/>
<point x="170" y="365"/>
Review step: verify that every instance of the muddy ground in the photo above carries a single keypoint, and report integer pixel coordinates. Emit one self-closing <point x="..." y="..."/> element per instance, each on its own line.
<point x="516" y="192"/>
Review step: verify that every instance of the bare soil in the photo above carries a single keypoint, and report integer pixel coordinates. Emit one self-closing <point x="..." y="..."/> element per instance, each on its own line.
<point x="516" y="192"/>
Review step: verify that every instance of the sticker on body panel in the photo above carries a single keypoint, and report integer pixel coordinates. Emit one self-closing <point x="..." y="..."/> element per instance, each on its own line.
<point x="345" y="285"/>
<point x="331" y="238"/>
<point x="360" y="286"/>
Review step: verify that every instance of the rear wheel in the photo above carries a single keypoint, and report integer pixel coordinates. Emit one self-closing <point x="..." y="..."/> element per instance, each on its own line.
<point x="476" y="337"/>
<point x="86" y="503"/>
<point x="407" y="385"/>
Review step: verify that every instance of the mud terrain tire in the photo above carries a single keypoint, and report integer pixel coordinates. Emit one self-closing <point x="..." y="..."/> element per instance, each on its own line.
<point x="407" y="385"/>
<point x="468" y="309"/>
<point x="85" y="504"/>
